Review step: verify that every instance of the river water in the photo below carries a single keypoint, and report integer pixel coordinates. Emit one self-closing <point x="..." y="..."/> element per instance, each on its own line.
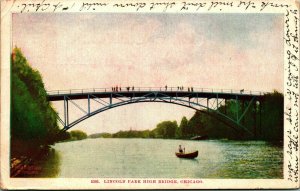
<point x="155" y="158"/>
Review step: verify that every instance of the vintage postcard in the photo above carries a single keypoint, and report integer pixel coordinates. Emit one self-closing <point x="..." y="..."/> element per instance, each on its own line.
<point x="100" y="94"/>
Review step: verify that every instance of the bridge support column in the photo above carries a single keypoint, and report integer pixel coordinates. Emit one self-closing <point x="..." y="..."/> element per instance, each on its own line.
<point x="255" y="122"/>
<point x="89" y="105"/>
<point x="207" y="100"/>
<point x="237" y="109"/>
<point x="243" y="108"/>
<point x="217" y="102"/>
<point x="260" y="110"/>
<point x="110" y="100"/>
<point x="66" y="111"/>
<point x="225" y="108"/>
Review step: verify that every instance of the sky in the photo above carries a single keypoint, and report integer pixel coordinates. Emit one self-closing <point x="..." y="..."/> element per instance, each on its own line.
<point x="98" y="50"/>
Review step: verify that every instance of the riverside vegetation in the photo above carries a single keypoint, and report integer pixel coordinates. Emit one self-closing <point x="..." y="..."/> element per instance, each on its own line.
<point x="33" y="120"/>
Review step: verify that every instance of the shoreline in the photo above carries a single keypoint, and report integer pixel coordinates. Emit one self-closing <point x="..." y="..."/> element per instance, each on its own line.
<point x="24" y="167"/>
<point x="28" y="165"/>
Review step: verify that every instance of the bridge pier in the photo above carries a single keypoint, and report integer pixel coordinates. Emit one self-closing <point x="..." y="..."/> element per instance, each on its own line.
<point x="66" y="111"/>
<point x="255" y="122"/>
<point x="243" y="108"/>
<point x="217" y="102"/>
<point x="237" y="109"/>
<point x="110" y="99"/>
<point x="260" y="109"/>
<point x="89" y="105"/>
<point x="225" y="106"/>
<point x="207" y="104"/>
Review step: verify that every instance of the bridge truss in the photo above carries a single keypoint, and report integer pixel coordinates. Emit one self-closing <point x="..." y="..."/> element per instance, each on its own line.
<point x="204" y="100"/>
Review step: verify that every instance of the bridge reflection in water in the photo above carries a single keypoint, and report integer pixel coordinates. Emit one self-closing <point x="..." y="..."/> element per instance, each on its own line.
<point x="201" y="99"/>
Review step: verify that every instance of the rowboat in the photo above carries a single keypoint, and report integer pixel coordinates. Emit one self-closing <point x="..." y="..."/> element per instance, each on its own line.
<point x="187" y="155"/>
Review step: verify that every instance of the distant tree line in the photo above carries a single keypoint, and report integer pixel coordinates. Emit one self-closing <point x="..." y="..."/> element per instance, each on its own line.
<point x="265" y="124"/>
<point x="74" y="135"/>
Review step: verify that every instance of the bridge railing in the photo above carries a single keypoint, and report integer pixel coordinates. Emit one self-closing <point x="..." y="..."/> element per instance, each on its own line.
<point x="164" y="89"/>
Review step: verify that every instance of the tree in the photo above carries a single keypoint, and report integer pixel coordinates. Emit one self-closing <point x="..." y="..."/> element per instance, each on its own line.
<point x="166" y="129"/>
<point x="33" y="120"/>
<point x="213" y="125"/>
<point x="272" y="116"/>
<point x="196" y="125"/>
<point x="78" y="135"/>
<point x="184" y="127"/>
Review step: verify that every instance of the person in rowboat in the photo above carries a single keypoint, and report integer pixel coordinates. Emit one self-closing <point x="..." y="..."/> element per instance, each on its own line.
<point x="180" y="149"/>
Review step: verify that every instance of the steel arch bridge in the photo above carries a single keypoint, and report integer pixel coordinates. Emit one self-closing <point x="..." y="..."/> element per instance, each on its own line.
<point x="199" y="99"/>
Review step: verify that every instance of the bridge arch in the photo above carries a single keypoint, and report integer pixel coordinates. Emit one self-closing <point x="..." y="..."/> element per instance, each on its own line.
<point x="192" y="100"/>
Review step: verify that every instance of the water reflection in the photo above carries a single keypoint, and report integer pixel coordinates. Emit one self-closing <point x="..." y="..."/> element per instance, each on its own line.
<point x="185" y="160"/>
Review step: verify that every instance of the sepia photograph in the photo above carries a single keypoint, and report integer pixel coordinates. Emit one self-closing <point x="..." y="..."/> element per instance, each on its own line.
<point x="204" y="86"/>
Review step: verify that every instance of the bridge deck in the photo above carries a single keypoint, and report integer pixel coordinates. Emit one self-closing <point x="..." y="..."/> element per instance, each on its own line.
<point x="152" y="94"/>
